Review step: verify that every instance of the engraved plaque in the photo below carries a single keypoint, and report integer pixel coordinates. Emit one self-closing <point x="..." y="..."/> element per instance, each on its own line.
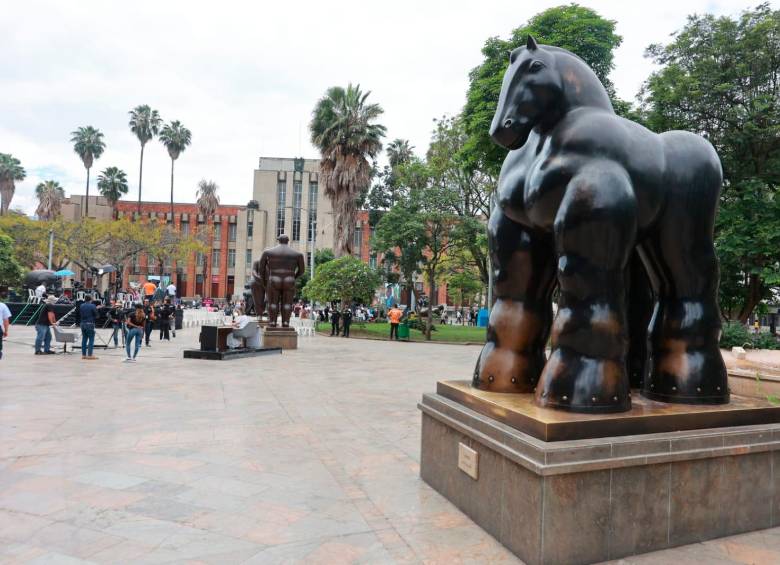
<point x="468" y="460"/>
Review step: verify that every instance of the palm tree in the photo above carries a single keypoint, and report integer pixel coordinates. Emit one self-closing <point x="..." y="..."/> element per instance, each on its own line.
<point x="145" y="124"/>
<point x="88" y="144"/>
<point x="11" y="170"/>
<point x="208" y="201"/>
<point x="176" y="139"/>
<point x="50" y="196"/>
<point x="342" y="128"/>
<point x="399" y="151"/>
<point x="112" y="184"/>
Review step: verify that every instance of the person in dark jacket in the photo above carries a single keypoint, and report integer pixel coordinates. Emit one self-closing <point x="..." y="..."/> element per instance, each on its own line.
<point x="88" y="314"/>
<point x="164" y="313"/>
<point x="117" y="315"/>
<point x="346" y="319"/>
<point x="149" y="323"/>
<point x="335" y="316"/>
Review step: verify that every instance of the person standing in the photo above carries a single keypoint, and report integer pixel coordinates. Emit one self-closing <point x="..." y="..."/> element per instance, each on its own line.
<point x="149" y="288"/>
<point x="335" y="316"/>
<point x="46" y="320"/>
<point x="394" y="315"/>
<point x="164" y="314"/>
<point x="171" y="292"/>
<point x="117" y="314"/>
<point x="136" y="324"/>
<point x="150" y="318"/>
<point x="346" y="317"/>
<point x="88" y="314"/>
<point x="5" y="323"/>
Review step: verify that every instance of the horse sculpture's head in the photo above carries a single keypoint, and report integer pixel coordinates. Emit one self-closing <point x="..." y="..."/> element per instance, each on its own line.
<point x="531" y="90"/>
<point x="541" y="84"/>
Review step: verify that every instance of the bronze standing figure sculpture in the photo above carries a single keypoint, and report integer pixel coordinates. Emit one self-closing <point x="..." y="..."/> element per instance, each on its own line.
<point x="273" y="289"/>
<point x="620" y="218"/>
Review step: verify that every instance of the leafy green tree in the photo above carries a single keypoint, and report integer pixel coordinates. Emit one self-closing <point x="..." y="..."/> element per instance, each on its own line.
<point x="89" y="145"/>
<point x="176" y="139"/>
<point x="322" y="256"/>
<point x="422" y="222"/>
<point x="576" y="28"/>
<point x="145" y="124"/>
<point x="343" y="128"/>
<point x="719" y="76"/>
<point x="11" y="170"/>
<point x="10" y="269"/>
<point x="384" y="191"/>
<point x="346" y="279"/>
<point x="50" y="196"/>
<point x="112" y="184"/>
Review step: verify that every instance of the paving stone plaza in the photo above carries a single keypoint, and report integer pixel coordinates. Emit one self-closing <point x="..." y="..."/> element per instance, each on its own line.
<point x="311" y="456"/>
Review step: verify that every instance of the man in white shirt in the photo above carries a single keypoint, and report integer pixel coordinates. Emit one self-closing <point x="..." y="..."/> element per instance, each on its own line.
<point x="5" y="323"/>
<point x="40" y="290"/>
<point x="171" y="291"/>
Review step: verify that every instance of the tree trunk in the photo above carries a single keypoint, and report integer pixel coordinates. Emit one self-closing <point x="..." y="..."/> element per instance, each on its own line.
<point x="343" y="223"/>
<point x="429" y="321"/>
<point x="140" y="178"/>
<point x="86" y="207"/>
<point x="172" y="161"/>
<point x="752" y="299"/>
<point x="6" y="194"/>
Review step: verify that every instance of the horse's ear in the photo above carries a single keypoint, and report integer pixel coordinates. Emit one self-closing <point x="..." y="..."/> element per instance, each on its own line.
<point x="531" y="43"/>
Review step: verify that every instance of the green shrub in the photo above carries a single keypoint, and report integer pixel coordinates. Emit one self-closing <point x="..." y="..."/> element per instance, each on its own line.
<point x="738" y="335"/>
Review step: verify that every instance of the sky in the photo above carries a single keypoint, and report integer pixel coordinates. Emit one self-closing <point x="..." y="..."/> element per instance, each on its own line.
<point x="245" y="76"/>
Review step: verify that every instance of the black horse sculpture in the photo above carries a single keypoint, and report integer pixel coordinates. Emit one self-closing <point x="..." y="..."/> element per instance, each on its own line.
<point x="621" y="219"/>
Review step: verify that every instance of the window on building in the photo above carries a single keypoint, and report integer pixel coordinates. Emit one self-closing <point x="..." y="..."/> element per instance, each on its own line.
<point x="217" y="230"/>
<point x="215" y="259"/>
<point x="372" y="261"/>
<point x="231" y="258"/>
<point x="184" y="227"/>
<point x="312" y="235"/>
<point x="248" y="257"/>
<point x="358" y="242"/>
<point x="250" y="228"/>
<point x="281" y="202"/>
<point x="297" y="201"/>
<point x="231" y="232"/>
<point x="200" y="259"/>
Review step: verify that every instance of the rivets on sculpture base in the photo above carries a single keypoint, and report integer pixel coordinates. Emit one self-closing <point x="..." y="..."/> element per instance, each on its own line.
<point x="717" y="387"/>
<point x="615" y="398"/>
<point x="490" y="378"/>
<point x="565" y="397"/>
<point x="698" y="389"/>
<point x="514" y="380"/>
<point x="674" y="388"/>
<point x="593" y="398"/>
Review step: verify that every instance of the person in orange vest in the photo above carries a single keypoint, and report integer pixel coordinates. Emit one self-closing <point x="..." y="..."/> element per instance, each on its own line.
<point x="149" y="288"/>
<point x="394" y="315"/>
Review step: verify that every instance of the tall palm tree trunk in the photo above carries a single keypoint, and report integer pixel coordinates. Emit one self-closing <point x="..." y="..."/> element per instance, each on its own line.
<point x="86" y="206"/>
<point x="344" y="224"/>
<point x="140" y="178"/>
<point x="172" y="161"/>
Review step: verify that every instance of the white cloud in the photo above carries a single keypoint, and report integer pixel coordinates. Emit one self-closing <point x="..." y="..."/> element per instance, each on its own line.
<point x="245" y="76"/>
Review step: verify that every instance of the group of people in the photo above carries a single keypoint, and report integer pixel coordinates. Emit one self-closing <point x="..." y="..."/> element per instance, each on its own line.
<point x="339" y="320"/>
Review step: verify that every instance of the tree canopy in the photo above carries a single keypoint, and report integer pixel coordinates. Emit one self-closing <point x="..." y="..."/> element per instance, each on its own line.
<point x="10" y="269"/>
<point x="345" y="279"/>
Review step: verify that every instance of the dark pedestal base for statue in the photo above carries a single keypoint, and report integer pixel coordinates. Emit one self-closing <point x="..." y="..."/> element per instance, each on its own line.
<point x="610" y="495"/>
<point x="284" y="338"/>
<point x="228" y="354"/>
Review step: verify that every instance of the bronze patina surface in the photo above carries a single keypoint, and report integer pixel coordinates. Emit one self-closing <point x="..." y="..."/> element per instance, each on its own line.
<point x="646" y="416"/>
<point x="273" y="286"/>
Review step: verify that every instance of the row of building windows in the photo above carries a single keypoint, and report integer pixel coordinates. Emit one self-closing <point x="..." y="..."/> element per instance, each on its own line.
<point x="297" y="205"/>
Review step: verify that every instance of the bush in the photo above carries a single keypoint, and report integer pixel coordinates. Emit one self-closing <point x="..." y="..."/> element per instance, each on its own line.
<point x="738" y="335"/>
<point x="416" y="323"/>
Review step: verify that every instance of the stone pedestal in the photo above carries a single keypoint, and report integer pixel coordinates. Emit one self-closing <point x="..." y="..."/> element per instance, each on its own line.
<point x="285" y="338"/>
<point x="590" y="500"/>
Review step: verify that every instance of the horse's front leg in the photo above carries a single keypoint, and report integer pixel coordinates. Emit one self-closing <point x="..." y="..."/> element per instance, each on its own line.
<point x="595" y="229"/>
<point x="524" y="263"/>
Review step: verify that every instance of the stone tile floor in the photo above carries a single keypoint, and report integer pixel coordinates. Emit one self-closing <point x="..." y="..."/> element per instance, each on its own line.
<point x="307" y="457"/>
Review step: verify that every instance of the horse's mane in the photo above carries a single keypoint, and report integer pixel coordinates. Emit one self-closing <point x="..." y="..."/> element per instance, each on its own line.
<point x="582" y="86"/>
